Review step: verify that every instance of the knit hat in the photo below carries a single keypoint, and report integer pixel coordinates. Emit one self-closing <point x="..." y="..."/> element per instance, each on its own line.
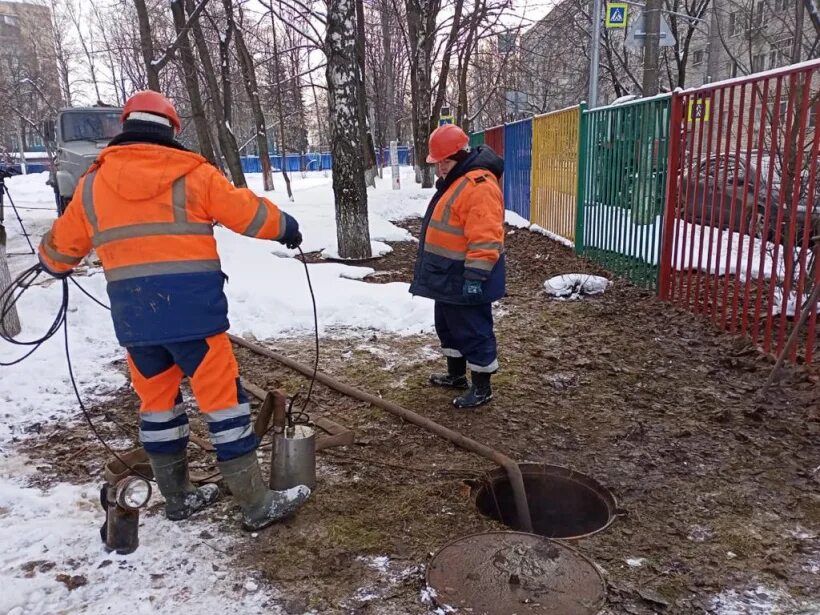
<point x="460" y="156"/>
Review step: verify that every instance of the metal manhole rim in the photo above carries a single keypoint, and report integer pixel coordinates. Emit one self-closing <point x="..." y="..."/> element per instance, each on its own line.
<point x="559" y="542"/>
<point x="566" y="472"/>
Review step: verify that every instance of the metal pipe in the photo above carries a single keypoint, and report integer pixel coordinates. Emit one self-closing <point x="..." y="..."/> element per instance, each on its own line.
<point x="460" y="440"/>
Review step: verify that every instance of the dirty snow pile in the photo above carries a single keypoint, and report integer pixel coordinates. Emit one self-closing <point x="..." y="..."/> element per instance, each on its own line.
<point x="575" y="285"/>
<point x="50" y="537"/>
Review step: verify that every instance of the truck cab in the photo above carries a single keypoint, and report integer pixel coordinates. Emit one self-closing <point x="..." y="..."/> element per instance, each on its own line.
<point x="78" y="136"/>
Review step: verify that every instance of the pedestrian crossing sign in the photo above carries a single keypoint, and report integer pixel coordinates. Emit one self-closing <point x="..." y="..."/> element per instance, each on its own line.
<point x="616" y="14"/>
<point x="699" y="109"/>
<point x="445" y="119"/>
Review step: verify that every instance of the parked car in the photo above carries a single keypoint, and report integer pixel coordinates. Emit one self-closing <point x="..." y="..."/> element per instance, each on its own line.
<point x="716" y="189"/>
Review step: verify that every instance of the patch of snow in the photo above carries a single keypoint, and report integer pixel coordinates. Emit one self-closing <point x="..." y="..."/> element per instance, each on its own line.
<point x="516" y="220"/>
<point x="760" y="600"/>
<point x="635" y="562"/>
<point x="699" y="533"/>
<point x="791" y="303"/>
<point x="557" y="238"/>
<point x="377" y="249"/>
<point x="575" y="285"/>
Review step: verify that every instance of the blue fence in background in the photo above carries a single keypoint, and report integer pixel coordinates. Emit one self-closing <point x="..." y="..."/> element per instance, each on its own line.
<point x="316" y="161"/>
<point x="404" y="152"/>
<point x="293" y="162"/>
<point x="31" y="167"/>
<point x="518" y="166"/>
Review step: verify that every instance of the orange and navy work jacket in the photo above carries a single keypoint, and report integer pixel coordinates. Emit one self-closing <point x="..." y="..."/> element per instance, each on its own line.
<point x="149" y="212"/>
<point x="462" y="235"/>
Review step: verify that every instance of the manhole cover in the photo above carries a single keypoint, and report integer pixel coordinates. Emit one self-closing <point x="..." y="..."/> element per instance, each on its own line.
<point x="563" y="503"/>
<point x="506" y="573"/>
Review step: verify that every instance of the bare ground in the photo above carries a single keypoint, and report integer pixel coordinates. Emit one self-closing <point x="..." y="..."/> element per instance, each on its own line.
<point x="654" y="403"/>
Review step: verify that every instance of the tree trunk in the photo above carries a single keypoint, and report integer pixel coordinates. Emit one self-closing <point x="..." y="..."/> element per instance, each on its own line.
<point x="225" y="64"/>
<point x="463" y="70"/>
<point x="389" y="76"/>
<point x="252" y="88"/>
<point x="280" y="108"/>
<point x="147" y="45"/>
<point x="189" y="73"/>
<point x="11" y="321"/>
<point x="366" y="139"/>
<point x="319" y="122"/>
<point x="420" y="33"/>
<point x="227" y="141"/>
<point x="352" y="229"/>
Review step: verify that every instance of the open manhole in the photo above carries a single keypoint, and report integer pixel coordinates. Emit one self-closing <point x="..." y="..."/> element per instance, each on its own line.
<point x="563" y="503"/>
<point x="501" y="573"/>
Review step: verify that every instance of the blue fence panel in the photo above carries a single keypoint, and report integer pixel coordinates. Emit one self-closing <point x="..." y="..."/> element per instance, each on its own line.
<point x="315" y="161"/>
<point x="31" y="167"/>
<point x="403" y="155"/>
<point x="250" y="164"/>
<point x="517" y="167"/>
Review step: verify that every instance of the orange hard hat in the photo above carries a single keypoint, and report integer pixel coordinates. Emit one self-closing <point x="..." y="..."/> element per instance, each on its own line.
<point x="152" y="102"/>
<point x="445" y="141"/>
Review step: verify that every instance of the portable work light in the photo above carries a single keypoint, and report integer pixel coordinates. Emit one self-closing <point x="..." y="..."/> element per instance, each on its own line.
<point x="121" y="503"/>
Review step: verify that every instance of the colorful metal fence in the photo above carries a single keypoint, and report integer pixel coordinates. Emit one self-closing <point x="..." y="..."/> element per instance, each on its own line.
<point x="555" y="140"/>
<point x="476" y="138"/>
<point x="494" y="137"/>
<point x="742" y="237"/>
<point x="518" y="167"/>
<point x="621" y="195"/>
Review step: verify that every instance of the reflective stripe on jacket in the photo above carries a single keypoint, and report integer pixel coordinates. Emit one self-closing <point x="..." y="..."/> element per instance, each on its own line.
<point x="463" y="238"/>
<point x="149" y="211"/>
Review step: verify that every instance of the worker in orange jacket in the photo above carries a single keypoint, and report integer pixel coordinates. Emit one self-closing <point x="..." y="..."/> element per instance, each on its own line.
<point x="460" y="263"/>
<point x="148" y="206"/>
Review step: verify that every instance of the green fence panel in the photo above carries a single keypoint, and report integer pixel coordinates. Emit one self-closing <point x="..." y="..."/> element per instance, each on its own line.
<point x="622" y="187"/>
<point x="476" y="138"/>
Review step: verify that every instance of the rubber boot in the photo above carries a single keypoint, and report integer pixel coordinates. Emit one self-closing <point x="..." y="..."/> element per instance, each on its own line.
<point x="260" y="506"/>
<point x="456" y="376"/>
<point x="182" y="499"/>
<point x="479" y="393"/>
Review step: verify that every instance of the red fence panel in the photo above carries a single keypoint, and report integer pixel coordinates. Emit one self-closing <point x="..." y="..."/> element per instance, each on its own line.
<point x="742" y="227"/>
<point x="494" y="137"/>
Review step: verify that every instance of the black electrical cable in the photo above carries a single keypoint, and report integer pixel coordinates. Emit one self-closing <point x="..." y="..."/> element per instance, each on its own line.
<point x="11" y="295"/>
<point x="8" y="301"/>
<point x="302" y="417"/>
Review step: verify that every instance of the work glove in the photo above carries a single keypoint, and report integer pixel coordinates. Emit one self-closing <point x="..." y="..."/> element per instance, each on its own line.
<point x="295" y="241"/>
<point x="292" y="238"/>
<point x="472" y="289"/>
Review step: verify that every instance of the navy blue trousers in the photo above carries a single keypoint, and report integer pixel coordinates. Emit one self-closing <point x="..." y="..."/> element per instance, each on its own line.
<point x="467" y="331"/>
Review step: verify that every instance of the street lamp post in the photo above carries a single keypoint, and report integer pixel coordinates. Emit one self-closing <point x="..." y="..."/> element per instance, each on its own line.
<point x="594" y="56"/>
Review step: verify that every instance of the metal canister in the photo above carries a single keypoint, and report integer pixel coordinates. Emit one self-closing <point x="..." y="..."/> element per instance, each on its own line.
<point x="293" y="458"/>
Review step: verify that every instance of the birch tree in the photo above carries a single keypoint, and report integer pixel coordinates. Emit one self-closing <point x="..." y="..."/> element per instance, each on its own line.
<point x="352" y="230"/>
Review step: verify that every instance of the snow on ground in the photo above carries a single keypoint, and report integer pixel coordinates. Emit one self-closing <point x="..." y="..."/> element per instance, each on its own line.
<point x="699" y="248"/>
<point x="174" y="570"/>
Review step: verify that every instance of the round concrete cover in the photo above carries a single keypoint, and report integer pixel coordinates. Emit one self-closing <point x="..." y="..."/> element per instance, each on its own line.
<point x="514" y="573"/>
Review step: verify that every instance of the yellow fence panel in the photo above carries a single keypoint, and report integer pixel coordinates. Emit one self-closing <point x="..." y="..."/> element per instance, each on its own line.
<point x="555" y="171"/>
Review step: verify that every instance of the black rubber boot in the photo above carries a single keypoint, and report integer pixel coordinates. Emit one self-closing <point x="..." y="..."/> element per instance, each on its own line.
<point x="456" y="376"/>
<point x="260" y="506"/>
<point x="479" y="393"/>
<point x="182" y="498"/>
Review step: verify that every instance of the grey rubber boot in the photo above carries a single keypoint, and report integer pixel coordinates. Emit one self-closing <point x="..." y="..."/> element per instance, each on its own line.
<point x="456" y="376"/>
<point x="182" y="498"/>
<point x="260" y="506"/>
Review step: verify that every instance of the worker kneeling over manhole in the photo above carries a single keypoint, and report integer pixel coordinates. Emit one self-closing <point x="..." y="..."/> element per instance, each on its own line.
<point x="562" y="503"/>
